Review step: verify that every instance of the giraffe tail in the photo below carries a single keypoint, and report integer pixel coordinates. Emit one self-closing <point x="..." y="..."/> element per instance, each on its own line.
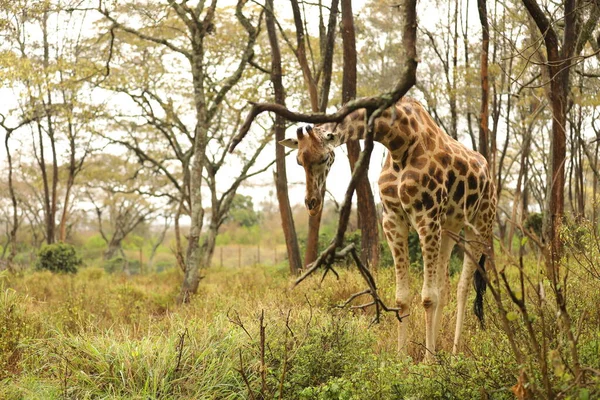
<point x="480" y="286"/>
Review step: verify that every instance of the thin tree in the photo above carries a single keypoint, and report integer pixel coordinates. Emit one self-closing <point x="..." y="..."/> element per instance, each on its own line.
<point x="367" y="214"/>
<point x="283" y="199"/>
<point x="318" y="100"/>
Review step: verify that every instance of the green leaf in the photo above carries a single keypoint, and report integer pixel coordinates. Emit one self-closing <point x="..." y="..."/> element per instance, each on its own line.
<point x="584" y="394"/>
<point x="511" y="316"/>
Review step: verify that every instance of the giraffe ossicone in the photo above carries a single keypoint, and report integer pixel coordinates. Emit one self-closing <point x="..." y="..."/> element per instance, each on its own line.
<point x="429" y="182"/>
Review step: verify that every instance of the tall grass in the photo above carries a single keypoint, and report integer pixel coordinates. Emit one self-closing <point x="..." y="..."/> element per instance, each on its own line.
<point x="247" y="334"/>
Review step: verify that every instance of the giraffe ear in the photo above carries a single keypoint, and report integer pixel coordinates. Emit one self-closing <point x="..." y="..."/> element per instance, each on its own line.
<point x="291" y="143"/>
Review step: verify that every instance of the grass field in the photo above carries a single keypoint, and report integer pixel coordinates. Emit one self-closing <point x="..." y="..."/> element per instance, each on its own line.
<point x="97" y="335"/>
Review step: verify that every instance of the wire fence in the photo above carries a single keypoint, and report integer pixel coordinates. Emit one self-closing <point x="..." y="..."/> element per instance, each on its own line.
<point x="248" y="255"/>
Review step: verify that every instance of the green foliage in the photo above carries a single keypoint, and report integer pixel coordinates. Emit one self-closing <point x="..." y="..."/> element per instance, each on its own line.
<point x="242" y="211"/>
<point x="330" y="351"/>
<point x="116" y="264"/>
<point x="58" y="257"/>
<point x="534" y="223"/>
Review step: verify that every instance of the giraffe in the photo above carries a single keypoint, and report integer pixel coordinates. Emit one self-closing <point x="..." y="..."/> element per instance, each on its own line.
<point x="429" y="182"/>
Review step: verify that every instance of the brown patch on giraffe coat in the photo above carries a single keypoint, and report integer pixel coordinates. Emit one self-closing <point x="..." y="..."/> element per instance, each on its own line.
<point x="472" y="199"/>
<point x="438" y="195"/>
<point x="429" y="140"/>
<point x="419" y="162"/>
<point x="350" y="131"/>
<point x="418" y="151"/>
<point x="432" y="185"/>
<point x="388" y="224"/>
<point x="389" y="191"/>
<point x="459" y="192"/>
<point x="410" y="175"/>
<point x="472" y="181"/>
<point x="382" y="126"/>
<point x="386" y="178"/>
<point x="460" y="166"/>
<point x="417" y="205"/>
<point x="427" y="302"/>
<point x="379" y="136"/>
<point x="414" y="124"/>
<point x="450" y="181"/>
<point x="360" y="131"/>
<point x="396" y="143"/>
<point x="427" y="200"/>
<point x="474" y="164"/>
<point x="443" y="159"/>
<point x="396" y="167"/>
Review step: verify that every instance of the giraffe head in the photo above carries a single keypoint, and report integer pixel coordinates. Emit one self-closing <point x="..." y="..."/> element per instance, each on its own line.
<point x="315" y="155"/>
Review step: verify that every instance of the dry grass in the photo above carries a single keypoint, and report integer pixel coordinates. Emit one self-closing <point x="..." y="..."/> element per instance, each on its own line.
<point x="96" y="335"/>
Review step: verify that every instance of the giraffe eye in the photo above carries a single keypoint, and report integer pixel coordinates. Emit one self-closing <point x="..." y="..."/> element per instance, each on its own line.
<point x="329" y="137"/>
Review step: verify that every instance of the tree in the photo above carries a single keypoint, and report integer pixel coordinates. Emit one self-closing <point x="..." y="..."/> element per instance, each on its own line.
<point x="285" y="211"/>
<point x="242" y="211"/>
<point x="367" y="214"/>
<point x="48" y="74"/>
<point x="112" y="185"/>
<point x="185" y="32"/>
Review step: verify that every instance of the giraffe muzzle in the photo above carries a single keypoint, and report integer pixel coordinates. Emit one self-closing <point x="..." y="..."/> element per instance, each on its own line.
<point x="312" y="205"/>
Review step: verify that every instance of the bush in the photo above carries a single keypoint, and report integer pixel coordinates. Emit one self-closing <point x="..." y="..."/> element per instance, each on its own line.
<point x="58" y="257"/>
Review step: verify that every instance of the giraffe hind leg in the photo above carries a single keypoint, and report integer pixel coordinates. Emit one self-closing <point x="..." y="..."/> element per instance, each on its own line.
<point x="443" y="281"/>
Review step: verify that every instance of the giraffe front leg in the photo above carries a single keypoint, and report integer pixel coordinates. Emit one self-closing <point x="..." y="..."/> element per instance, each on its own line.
<point x="396" y="233"/>
<point x="430" y="238"/>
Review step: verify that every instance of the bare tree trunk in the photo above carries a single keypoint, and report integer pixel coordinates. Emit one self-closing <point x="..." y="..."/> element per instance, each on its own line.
<point x="453" y="92"/>
<point x="485" y="87"/>
<point x="467" y="67"/>
<point x="314" y="222"/>
<point x="287" y="220"/>
<point x="12" y="234"/>
<point x="367" y="214"/>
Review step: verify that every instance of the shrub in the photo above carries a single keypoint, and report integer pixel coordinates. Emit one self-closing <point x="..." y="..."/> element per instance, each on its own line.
<point x="58" y="257"/>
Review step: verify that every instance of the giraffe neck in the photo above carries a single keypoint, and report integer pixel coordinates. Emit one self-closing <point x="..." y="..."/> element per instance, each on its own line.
<point x="396" y="129"/>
